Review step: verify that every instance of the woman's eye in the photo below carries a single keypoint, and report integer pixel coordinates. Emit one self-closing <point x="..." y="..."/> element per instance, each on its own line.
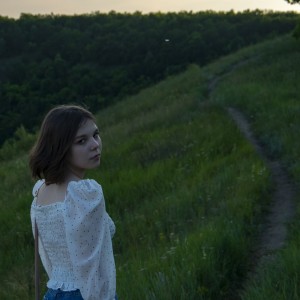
<point x="82" y="141"/>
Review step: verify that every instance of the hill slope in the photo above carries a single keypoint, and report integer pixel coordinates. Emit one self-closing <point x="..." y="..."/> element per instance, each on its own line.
<point x="97" y="59"/>
<point x="186" y="189"/>
<point x="266" y="91"/>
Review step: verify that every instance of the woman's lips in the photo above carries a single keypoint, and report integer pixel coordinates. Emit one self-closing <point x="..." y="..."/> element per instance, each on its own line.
<point x="97" y="156"/>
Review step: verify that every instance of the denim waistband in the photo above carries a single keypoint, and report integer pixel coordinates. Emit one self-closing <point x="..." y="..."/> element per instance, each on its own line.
<point x="58" y="294"/>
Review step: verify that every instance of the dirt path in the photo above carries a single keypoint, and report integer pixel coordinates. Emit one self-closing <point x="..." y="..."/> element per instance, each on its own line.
<point x="282" y="207"/>
<point x="281" y="210"/>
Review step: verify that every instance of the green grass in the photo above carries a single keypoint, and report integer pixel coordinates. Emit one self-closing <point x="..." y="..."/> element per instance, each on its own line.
<point x="184" y="187"/>
<point x="267" y="92"/>
<point x="185" y="210"/>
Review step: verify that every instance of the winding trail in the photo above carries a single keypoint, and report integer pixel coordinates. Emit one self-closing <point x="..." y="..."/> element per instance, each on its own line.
<point x="282" y="206"/>
<point x="273" y="232"/>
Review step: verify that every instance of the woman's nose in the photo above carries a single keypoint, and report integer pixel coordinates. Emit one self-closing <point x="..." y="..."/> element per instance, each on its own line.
<point x="95" y="143"/>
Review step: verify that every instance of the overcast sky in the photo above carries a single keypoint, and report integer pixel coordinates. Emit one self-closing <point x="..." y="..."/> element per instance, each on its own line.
<point x="13" y="8"/>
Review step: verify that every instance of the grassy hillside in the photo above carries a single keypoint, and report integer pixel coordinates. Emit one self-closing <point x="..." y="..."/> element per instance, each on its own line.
<point x="267" y="91"/>
<point x="186" y="190"/>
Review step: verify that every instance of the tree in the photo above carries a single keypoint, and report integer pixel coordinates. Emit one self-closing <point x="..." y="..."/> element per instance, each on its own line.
<point x="296" y="33"/>
<point x="100" y="58"/>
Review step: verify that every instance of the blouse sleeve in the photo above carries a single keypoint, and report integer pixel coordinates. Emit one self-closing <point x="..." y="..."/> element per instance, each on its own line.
<point x="88" y="232"/>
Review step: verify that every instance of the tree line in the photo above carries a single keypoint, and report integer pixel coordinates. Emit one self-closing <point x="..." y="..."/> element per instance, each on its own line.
<point x="99" y="58"/>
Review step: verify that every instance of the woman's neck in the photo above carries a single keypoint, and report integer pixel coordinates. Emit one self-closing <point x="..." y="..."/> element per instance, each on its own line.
<point x="75" y="176"/>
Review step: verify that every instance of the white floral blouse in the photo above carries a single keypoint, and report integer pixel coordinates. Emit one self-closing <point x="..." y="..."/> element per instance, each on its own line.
<point x="75" y="243"/>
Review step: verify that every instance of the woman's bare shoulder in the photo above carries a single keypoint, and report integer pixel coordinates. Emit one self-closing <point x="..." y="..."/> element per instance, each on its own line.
<point x="50" y="194"/>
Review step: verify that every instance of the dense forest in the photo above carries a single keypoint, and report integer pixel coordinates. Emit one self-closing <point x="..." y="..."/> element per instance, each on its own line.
<point x="97" y="59"/>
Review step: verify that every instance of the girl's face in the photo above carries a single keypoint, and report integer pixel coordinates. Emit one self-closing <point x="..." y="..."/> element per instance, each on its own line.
<point x="86" y="149"/>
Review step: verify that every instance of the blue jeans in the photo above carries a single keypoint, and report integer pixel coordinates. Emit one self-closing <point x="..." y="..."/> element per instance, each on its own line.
<point x="64" y="295"/>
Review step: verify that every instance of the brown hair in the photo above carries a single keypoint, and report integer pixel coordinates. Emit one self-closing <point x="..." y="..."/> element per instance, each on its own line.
<point x="49" y="156"/>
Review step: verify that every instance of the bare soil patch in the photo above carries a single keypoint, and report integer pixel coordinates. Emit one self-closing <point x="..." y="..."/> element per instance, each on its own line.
<point x="281" y="210"/>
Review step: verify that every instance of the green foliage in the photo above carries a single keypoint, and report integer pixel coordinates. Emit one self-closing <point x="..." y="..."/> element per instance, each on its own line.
<point x="266" y="90"/>
<point x="292" y="1"/>
<point x="273" y="87"/>
<point x="185" y="211"/>
<point x="185" y="188"/>
<point x="278" y="279"/>
<point x="16" y="146"/>
<point x="296" y="32"/>
<point x="98" y="59"/>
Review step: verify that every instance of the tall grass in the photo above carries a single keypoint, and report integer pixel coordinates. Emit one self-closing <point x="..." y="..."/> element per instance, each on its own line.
<point x="185" y="188"/>
<point x="267" y="92"/>
<point x="185" y="210"/>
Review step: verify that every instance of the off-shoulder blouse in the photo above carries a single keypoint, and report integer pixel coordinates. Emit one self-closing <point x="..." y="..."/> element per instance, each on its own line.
<point x="75" y="241"/>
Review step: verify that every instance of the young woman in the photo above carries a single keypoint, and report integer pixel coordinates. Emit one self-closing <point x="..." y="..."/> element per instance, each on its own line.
<point x="75" y="232"/>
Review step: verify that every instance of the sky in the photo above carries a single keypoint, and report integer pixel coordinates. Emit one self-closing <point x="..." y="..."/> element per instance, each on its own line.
<point x="13" y="8"/>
